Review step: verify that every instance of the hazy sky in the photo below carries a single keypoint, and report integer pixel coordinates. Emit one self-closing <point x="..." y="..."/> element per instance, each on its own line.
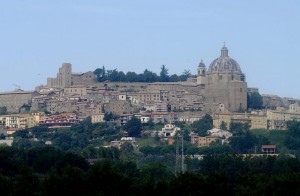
<point x="37" y="36"/>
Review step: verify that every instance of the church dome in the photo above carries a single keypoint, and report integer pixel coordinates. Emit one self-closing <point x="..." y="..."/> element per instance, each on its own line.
<point x="224" y="63"/>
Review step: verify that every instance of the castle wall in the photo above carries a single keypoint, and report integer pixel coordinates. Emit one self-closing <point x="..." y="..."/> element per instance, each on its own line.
<point x="14" y="100"/>
<point x="87" y="78"/>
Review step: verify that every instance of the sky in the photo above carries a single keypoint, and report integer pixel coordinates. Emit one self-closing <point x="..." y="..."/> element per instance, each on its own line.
<point x="36" y="37"/>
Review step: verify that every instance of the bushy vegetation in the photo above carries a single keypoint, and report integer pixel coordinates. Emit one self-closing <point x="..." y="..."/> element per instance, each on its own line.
<point x="31" y="167"/>
<point x="50" y="171"/>
<point x="254" y="101"/>
<point x="203" y="125"/>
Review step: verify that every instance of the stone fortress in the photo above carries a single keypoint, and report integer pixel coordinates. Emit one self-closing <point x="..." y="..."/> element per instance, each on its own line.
<point x="66" y="78"/>
<point x="219" y="89"/>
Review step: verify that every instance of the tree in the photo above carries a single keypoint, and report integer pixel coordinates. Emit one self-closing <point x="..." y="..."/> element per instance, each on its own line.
<point x="134" y="127"/>
<point x="150" y="124"/>
<point x="109" y="116"/>
<point x="292" y="140"/>
<point x="127" y="147"/>
<point x="185" y="75"/>
<point x="101" y="74"/>
<point x="149" y="76"/>
<point x="203" y="125"/>
<point x="2" y="136"/>
<point x="164" y="74"/>
<point x="254" y="101"/>
<point x="122" y="76"/>
<point x="131" y="77"/>
<point x="174" y="78"/>
<point x="238" y="128"/>
<point x="223" y="126"/>
<point x="3" y="110"/>
<point x="243" y="143"/>
<point x="113" y="75"/>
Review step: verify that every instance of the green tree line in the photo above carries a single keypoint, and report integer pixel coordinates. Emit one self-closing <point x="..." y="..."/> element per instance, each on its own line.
<point x="147" y="76"/>
<point x="50" y="171"/>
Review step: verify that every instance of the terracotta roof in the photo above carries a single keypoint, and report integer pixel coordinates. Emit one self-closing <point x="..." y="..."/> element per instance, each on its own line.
<point x="268" y="146"/>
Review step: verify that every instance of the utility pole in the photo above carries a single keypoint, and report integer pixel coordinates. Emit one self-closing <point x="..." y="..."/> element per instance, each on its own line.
<point x="177" y="158"/>
<point x="182" y="155"/>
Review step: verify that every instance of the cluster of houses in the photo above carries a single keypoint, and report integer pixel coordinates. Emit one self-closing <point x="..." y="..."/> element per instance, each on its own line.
<point x="72" y="97"/>
<point x="14" y="122"/>
<point x="170" y="132"/>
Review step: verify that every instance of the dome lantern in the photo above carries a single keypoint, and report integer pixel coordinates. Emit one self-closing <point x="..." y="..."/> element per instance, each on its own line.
<point x="224" y="64"/>
<point x="224" y="51"/>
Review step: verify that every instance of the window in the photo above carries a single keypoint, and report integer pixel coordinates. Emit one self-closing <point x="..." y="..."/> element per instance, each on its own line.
<point x="241" y="90"/>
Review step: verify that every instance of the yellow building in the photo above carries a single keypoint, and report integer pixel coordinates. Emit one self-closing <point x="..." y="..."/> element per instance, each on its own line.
<point x="97" y="118"/>
<point x="12" y="121"/>
<point x="254" y="121"/>
<point x="28" y="121"/>
<point x="203" y="141"/>
<point x="277" y="118"/>
<point x="38" y="116"/>
<point x="258" y="121"/>
<point x="20" y="121"/>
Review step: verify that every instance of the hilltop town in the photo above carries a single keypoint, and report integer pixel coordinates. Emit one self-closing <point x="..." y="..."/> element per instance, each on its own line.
<point x="83" y="129"/>
<point x="219" y="90"/>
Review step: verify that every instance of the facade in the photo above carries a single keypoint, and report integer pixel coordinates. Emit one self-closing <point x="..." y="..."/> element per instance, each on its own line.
<point x="26" y="121"/>
<point x="118" y="143"/>
<point x="277" y="118"/>
<point x="164" y="117"/>
<point x="119" y="107"/>
<point x="220" y="133"/>
<point x="225" y="85"/>
<point x="79" y="90"/>
<point x="272" y="101"/>
<point x="96" y="118"/>
<point x="268" y="149"/>
<point x="18" y="121"/>
<point x="60" y="120"/>
<point x="12" y="121"/>
<point x="147" y="96"/>
<point x="169" y="130"/>
<point x="255" y="121"/>
<point x="203" y="141"/>
<point x="258" y="121"/>
<point x="14" y="100"/>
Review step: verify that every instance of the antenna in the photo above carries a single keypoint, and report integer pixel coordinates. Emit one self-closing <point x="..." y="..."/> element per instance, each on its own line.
<point x="17" y="87"/>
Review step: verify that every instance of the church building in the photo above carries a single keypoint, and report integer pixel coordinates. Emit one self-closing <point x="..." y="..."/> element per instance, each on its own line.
<point x="225" y="85"/>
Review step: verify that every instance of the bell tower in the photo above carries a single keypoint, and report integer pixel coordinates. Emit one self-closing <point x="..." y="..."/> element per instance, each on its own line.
<point x="201" y="73"/>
